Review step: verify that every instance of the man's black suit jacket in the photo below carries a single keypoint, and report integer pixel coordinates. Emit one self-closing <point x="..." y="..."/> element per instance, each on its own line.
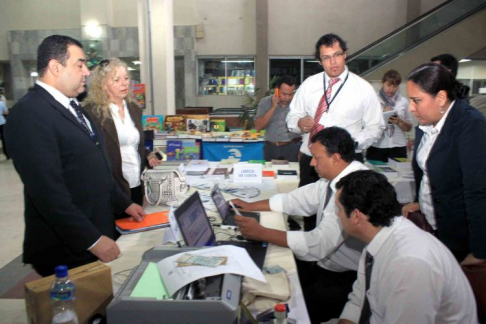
<point x="457" y="172"/>
<point x="68" y="185"/>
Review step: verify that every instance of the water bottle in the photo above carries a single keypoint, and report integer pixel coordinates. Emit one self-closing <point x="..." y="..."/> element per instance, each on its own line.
<point x="62" y="298"/>
<point x="280" y="313"/>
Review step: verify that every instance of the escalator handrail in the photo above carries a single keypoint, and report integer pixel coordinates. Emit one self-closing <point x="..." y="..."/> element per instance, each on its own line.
<point x="391" y="34"/>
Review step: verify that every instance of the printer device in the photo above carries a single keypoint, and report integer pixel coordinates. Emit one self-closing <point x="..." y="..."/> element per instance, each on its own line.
<point x="213" y="300"/>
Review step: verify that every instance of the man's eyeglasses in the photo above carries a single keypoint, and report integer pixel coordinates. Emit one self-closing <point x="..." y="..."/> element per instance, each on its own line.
<point x="104" y="63"/>
<point x="335" y="56"/>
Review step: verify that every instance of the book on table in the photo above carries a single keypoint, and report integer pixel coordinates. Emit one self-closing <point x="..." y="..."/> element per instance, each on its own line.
<point x="151" y="221"/>
<point x="281" y="163"/>
<point x="287" y="174"/>
<point x="400" y="164"/>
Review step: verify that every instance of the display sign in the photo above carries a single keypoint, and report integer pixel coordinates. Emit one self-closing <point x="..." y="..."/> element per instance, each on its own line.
<point x="247" y="172"/>
<point x="216" y="151"/>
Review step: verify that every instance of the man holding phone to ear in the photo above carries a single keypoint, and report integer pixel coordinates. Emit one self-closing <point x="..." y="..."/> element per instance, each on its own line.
<point x="272" y="111"/>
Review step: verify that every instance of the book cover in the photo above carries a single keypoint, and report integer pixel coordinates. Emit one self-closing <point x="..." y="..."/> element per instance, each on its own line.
<point x="287" y="173"/>
<point x="175" y="123"/>
<point x="175" y="151"/>
<point x="387" y="171"/>
<point x="263" y="162"/>
<point x="192" y="152"/>
<point x="153" y="122"/>
<point x="281" y="163"/>
<point x="198" y="123"/>
<point x="400" y="164"/>
<point x="138" y="94"/>
<point x="217" y="125"/>
<point x="268" y="173"/>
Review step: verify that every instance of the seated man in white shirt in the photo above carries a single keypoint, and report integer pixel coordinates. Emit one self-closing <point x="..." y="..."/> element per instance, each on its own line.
<point x="405" y="274"/>
<point x="327" y="261"/>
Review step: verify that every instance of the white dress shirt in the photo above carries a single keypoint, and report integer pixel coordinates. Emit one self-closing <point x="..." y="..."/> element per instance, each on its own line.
<point x="63" y="100"/>
<point x="326" y="243"/>
<point x="427" y="142"/>
<point x="356" y="108"/>
<point x="415" y="279"/>
<point x="129" y="138"/>
<point x="398" y="138"/>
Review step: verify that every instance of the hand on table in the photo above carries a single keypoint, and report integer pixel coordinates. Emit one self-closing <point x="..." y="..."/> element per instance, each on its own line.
<point x="306" y="123"/>
<point x="410" y="208"/>
<point x="242" y="205"/>
<point x="136" y="211"/>
<point x="106" y="249"/>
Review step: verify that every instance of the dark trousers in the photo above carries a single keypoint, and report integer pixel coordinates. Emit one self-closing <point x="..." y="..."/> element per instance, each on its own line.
<point x="288" y="152"/>
<point x="382" y="154"/>
<point x="325" y="292"/>
<point x="307" y="175"/>
<point x="48" y="269"/>
<point x="3" y="142"/>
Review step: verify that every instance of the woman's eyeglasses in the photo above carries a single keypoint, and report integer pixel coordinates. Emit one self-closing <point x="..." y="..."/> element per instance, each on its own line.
<point x="104" y="63"/>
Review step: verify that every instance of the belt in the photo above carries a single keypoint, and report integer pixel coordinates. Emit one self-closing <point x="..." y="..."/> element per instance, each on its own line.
<point x="295" y="140"/>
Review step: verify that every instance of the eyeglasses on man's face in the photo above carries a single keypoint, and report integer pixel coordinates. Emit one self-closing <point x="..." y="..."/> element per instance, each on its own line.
<point x="335" y="56"/>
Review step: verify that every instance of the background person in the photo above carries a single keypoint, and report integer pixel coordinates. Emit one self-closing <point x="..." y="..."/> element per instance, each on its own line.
<point x="449" y="162"/>
<point x="405" y="274"/>
<point x="280" y="143"/>
<point x="335" y="97"/>
<point x="3" y="115"/>
<point x="69" y="189"/>
<point x="110" y="106"/>
<point x="392" y="143"/>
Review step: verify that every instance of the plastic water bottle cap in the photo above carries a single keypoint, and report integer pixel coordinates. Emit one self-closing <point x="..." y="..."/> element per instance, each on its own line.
<point x="280" y="308"/>
<point x="61" y="271"/>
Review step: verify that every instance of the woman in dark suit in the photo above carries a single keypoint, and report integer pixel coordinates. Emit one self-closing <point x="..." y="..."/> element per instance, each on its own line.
<point x="109" y="104"/>
<point x="449" y="162"/>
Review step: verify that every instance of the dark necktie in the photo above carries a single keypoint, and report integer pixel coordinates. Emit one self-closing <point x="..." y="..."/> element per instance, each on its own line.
<point x="366" y="310"/>
<point x="328" y="195"/>
<point x="81" y="120"/>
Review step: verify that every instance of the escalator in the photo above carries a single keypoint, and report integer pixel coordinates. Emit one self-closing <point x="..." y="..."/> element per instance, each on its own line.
<point x="456" y="27"/>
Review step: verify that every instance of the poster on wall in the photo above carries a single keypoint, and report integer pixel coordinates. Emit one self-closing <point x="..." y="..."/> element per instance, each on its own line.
<point x="138" y="94"/>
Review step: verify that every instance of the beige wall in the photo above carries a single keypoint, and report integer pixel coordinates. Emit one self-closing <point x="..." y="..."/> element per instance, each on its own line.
<point x="35" y="14"/>
<point x="229" y="26"/>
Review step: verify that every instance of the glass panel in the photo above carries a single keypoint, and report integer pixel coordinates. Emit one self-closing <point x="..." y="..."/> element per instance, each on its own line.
<point x="311" y="67"/>
<point x="226" y="76"/>
<point x="413" y="35"/>
<point x="280" y="67"/>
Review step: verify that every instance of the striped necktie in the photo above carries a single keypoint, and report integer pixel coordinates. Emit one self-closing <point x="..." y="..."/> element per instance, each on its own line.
<point x="81" y="120"/>
<point x="321" y="109"/>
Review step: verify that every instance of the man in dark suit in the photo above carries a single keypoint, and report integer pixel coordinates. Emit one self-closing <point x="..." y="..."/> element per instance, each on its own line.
<point x="68" y="185"/>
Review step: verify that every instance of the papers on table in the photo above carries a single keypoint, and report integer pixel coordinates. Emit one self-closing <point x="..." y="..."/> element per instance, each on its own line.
<point x="238" y="262"/>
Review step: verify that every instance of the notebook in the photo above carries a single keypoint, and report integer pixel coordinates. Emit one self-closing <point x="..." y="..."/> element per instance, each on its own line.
<point x="197" y="231"/>
<point x="224" y="209"/>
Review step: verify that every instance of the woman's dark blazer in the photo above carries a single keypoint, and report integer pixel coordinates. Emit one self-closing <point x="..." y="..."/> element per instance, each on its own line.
<point x="113" y="145"/>
<point x="457" y="171"/>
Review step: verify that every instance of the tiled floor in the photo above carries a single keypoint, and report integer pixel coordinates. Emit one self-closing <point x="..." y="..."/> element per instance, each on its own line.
<point x="11" y="219"/>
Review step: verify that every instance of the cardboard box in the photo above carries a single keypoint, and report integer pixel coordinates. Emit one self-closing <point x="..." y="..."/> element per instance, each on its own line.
<point x="94" y="291"/>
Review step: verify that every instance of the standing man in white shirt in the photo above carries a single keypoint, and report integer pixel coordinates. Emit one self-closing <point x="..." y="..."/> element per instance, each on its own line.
<point x="405" y="274"/>
<point x="335" y="97"/>
<point x="326" y="260"/>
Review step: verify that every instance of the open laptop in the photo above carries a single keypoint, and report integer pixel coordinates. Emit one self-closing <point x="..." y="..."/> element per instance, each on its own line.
<point x="224" y="209"/>
<point x="197" y="231"/>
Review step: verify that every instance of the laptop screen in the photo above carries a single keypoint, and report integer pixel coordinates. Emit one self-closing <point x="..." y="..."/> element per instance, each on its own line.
<point x="194" y="223"/>
<point x="221" y="204"/>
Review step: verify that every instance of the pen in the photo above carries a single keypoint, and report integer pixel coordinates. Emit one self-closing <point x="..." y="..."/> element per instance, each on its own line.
<point x="234" y="208"/>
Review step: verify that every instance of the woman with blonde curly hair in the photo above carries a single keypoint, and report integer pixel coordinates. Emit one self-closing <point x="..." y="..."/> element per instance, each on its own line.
<point x="110" y="106"/>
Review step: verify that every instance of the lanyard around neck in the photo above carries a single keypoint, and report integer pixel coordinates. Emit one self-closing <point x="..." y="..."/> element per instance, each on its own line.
<point x="325" y="97"/>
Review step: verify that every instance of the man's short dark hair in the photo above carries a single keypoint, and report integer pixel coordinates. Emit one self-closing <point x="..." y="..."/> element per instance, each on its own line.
<point x="448" y="61"/>
<point x="288" y="80"/>
<point x="327" y="41"/>
<point x="336" y="140"/>
<point x="54" y="47"/>
<point x="370" y="193"/>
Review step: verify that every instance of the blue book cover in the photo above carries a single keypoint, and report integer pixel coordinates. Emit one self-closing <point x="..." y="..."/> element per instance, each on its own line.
<point x="175" y="151"/>
<point x="192" y="150"/>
